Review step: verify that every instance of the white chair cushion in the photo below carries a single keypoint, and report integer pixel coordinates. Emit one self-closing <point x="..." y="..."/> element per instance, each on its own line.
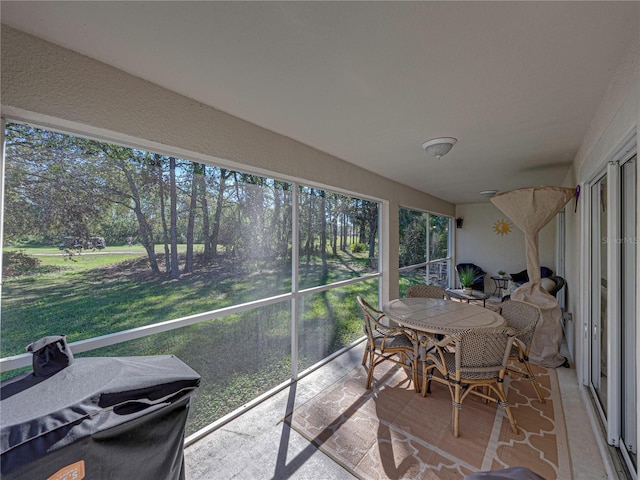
<point x="548" y="284"/>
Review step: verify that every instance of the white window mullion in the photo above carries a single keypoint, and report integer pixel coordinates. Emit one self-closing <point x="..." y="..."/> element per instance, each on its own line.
<point x="583" y="356"/>
<point x="383" y="240"/>
<point x="295" y="299"/>
<point x="613" y="302"/>
<point x="427" y="252"/>
<point x="451" y="253"/>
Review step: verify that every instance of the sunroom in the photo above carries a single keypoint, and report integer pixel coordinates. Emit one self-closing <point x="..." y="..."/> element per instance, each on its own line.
<point x="251" y="168"/>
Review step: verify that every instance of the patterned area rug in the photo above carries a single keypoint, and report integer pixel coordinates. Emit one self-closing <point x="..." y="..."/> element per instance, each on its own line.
<point x="392" y="432"/>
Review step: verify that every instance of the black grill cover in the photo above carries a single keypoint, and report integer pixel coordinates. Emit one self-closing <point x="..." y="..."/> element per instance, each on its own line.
<point x="99" y="418"/>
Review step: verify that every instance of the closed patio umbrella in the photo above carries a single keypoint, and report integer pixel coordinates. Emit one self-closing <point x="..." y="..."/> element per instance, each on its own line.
<point x="531" y="209"/>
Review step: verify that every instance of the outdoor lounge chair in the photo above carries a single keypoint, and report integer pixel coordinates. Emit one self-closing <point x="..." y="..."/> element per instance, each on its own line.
<point x="478" y="280"/>
<point x="384" y="342"/>
<point x="471" y="362"/>
<point x="550" y="282"/>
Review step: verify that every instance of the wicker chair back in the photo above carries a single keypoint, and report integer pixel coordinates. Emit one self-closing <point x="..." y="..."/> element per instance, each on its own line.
<point x="523" y="317"/>
<point x="483" y="351"/>
<point x="428" y="291"/>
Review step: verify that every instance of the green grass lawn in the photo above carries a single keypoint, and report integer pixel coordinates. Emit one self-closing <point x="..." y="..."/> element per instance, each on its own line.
<point x="239" y="356"/>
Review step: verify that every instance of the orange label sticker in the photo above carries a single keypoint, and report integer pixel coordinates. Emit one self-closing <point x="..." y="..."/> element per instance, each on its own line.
<point x="75" y="471"/>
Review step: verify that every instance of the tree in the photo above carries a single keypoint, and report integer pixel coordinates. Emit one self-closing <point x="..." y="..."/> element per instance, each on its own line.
<point x="439" y="237"/>
<point x="214" y="239"/>
<point x="49" y="191"/>
<point x="158" y="163"/>
<point x="197" y="173"/>
<point x="173" y="217"/>
<point x="281" y="219"/>
<point x="132" y="166"/>
<point x="372" y="220"/>
<point x="59" y="185"/>
<point x="308" y="214"/>
<point x="333" y="221"/>
<point x="323" y="229"/>
<point x="413" y="239"/>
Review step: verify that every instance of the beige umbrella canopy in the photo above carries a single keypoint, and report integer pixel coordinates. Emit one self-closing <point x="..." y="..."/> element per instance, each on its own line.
<point x="531" y="209"/>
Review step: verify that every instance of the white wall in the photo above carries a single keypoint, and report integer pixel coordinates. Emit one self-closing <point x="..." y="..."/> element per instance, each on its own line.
<point x="617" y="116"/>
<point x="477" y="242"/>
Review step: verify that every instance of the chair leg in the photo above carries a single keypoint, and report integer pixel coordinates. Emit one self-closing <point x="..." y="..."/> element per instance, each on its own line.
<point x="457" y="406"/>
<point x="532" y="378"/>
<point x="416" y="377"/>
<point x="426" y="378"/>
<point x="502" y="401"/>
<point x="413" y="364"/>
<point x="370" y="368"/>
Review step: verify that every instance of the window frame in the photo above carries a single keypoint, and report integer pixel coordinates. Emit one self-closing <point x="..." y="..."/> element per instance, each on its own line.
<point x="450" y="244"/>
<point x="86" y="345"/>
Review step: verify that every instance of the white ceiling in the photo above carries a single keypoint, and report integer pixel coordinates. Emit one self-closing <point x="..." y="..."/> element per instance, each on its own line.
<point x="517" y="83"/>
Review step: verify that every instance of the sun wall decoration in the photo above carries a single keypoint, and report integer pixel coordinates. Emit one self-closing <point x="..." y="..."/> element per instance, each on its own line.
<point x="502" y="227"/>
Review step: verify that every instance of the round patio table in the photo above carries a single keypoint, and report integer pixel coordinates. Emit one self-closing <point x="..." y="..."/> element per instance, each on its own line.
<point x="434" y="315"/>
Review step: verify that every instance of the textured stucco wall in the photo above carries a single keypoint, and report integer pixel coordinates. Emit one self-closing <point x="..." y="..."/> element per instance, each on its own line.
<point x="617" y="117"/>
<point x="616" y="114"/>
<point x="53" y="86"/>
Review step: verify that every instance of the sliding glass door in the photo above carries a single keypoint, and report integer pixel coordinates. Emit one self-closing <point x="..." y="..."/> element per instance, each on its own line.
<point x="629" y="401"/>
<point x="613" y="371"/>
<point x="599" y="290"/>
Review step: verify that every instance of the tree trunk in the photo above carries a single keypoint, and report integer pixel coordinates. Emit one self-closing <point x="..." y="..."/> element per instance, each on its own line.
<point x="175" y="270"/>
<point x="215" y="231"/>
<point x="202" y="185"/>
<point x="146" y="232"/>
<point x="163" y="213"/>
<point x="309" y="242"/>
<point x="333" y="221"/>
<point x="323" y="229"/>
<point x="363" y="224"/>
<point x="373" y="232"/>
<point x="276" y="223"/>
<point x="188" y="262"/>
<point x="286" y="226"/>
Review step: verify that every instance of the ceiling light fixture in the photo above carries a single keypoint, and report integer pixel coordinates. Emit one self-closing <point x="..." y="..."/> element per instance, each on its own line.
<point x="488" y="193"/>
<point x="439" y="146"/>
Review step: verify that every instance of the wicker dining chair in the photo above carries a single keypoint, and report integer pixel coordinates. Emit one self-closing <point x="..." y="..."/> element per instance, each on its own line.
<point x="385" y="342"/>
<point x="471" y="362"/>
<point x="428" y="291"/>
<point x="523" y="317"/>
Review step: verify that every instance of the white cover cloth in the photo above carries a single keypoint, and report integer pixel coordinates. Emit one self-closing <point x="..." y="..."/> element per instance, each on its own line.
<point x="530" y="209"/>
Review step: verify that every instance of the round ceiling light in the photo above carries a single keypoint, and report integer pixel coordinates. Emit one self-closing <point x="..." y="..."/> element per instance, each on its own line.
<point x="488" y="193"/>
<point x="439" y="146"/>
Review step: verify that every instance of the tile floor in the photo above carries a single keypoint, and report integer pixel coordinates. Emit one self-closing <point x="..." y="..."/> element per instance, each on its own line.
<point x="258" y="445"/>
